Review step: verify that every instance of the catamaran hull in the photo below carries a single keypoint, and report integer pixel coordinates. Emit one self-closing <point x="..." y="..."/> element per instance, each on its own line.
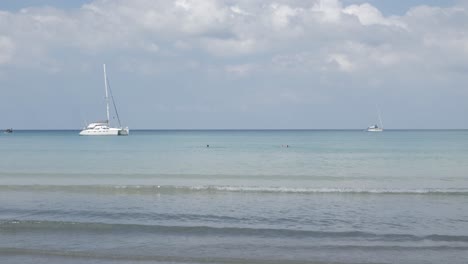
<point x="374" y="130"/>
<point x="105" y="132"/>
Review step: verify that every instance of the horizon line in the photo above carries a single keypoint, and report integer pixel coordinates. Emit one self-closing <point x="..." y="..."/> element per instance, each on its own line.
<point x="237" y="129"/>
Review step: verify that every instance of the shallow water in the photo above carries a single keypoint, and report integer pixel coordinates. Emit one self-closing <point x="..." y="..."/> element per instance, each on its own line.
<point x="164" y="197"/>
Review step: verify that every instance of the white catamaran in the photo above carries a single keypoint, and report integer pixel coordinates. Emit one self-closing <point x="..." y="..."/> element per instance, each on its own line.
<point x="103" y="128"/>
<point x="376" y="128"/>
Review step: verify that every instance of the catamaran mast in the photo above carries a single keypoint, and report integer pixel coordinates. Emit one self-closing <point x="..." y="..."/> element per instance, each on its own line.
<point x="113" y="103"/>
<point x="380" y="118"/>
<point x="107" y="96"/>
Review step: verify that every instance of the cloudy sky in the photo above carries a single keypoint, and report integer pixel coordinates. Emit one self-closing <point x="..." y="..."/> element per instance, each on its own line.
<point x="235" y="63"/>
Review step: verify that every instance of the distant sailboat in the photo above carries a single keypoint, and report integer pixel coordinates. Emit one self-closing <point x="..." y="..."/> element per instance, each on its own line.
<point x="103" y="128"/>
<point x="376" y="128"/>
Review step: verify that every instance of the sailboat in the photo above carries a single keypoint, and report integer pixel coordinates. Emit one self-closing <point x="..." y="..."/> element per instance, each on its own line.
<point x="104" y="128"/>
<point x="376" y="128"/>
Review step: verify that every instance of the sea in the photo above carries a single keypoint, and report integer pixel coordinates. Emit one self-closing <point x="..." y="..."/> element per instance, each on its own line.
<point x="234" y="196"/>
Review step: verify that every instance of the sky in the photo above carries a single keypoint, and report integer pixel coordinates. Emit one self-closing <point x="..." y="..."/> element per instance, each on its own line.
<point x="235" y="64"/>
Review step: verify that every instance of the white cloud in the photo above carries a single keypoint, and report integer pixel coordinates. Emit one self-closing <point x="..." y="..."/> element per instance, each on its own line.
<point x="447" y="27"/>
<point x="201" y="16"/>
<point x="7" y="50"/>
<point x="328" y="10"/>
<point x="342" y="62"/>
<point x="371" y="56"/>
<point x="370" y="15"/>
<point x="237" y="10"/>
<point x="281" y="15"/>
<point x="153" y="47"/>
<point x="220" y="29"/>
<point x="229" y="47"/>
<point x="298" y="62"/>
<point x="182" y="45"/>
<point x="240" y="70"/>
<point x="184" y="4"/>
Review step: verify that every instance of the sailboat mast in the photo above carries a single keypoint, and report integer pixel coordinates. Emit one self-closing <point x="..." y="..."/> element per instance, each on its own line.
<point x="107" y="95"/>
<point x="380" y="119"/>
<point x="113" y="103"/>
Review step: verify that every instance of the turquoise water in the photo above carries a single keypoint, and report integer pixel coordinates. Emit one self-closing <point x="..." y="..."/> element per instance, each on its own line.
<point x="304" y="196"/>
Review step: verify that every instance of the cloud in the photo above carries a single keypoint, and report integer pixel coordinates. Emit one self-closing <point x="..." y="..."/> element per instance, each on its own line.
<point x="334" y="36"/>
<point x="198" y="17"/>
<point x="152" y="47"/>
<point x="7" y="50"/>
<point x="342" y="62"/>
<point x="328" y="10"/>
<point x="229" y="47"/>
<point x="237" y="10"/>
<point x="240" y="70"/>
<point x="370" y="15"/>
<point x="281" y="15"/>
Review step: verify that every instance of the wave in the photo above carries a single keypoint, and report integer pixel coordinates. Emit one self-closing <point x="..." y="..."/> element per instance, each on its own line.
<point x="155" y="189"/>
<point x="115" y="257"/>
<point x="259" y="176"/>
<point x="123" y="215"/>
<point x="47" y="226"/>
<point x="329" y="190"/>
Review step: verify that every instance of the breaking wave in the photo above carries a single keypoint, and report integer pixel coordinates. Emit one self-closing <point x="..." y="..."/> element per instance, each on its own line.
<point x="154" y="189"/>
<point x="48" y="226"/>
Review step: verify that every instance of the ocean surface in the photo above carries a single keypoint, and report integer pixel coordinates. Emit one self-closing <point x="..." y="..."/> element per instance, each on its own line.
<point x="289" y="196"/>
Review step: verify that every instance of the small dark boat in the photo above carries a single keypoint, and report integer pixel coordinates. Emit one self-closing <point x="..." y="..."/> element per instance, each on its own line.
<point x="8" y="131"/>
